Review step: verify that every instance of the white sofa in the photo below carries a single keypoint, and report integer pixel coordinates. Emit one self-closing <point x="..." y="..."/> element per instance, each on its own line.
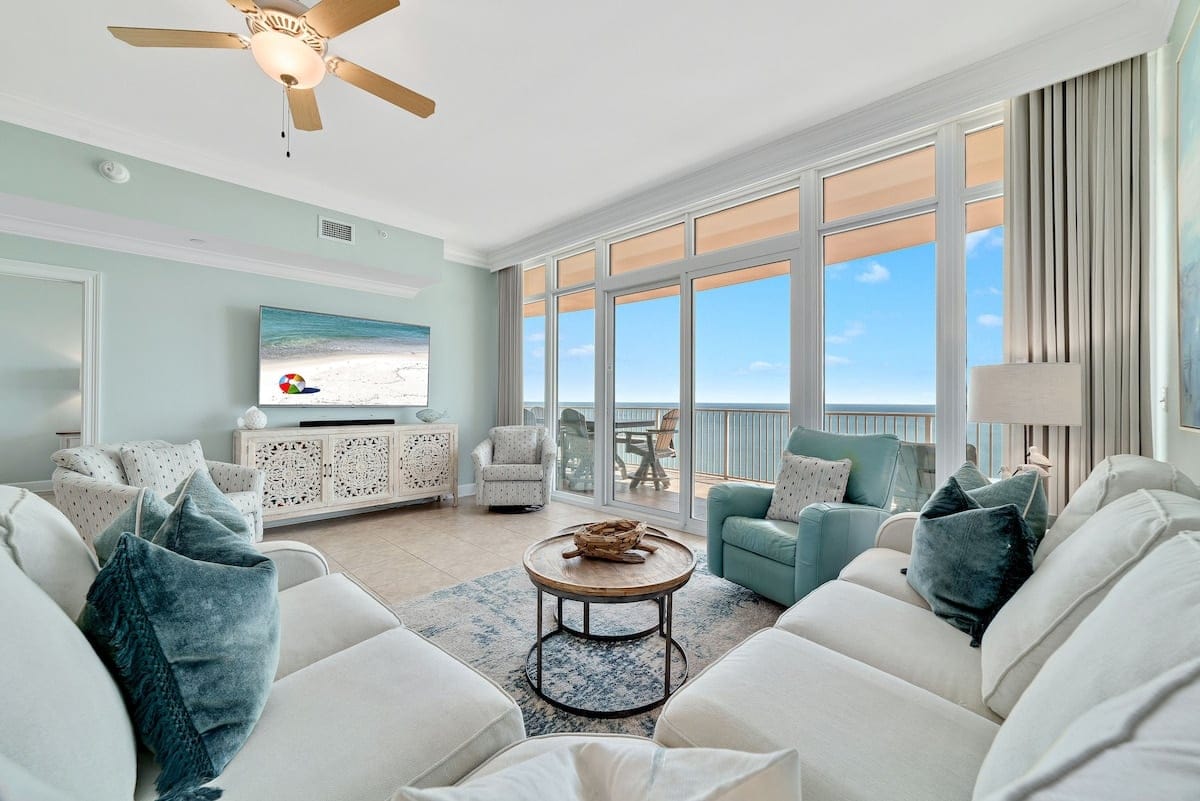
<point x="91" y="487"/>
<point x="360" y="706"/>
<point x="883" y="700"/>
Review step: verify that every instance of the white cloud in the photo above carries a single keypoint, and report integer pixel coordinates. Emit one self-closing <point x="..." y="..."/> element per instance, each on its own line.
<point x="582" y="351"/>
<point x="876" y="273"/>
<point x="836" y="360"/>
<point x="990" y="320"/>
<point x="536" y="336"/>
<point x="987" y="238"/>
<point x="853" y="330"/>
<point x="538" y="353"/>
<point x="760" y="366"/>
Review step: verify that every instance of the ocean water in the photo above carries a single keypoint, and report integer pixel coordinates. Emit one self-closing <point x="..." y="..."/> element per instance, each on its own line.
<point x="288" y="334"/>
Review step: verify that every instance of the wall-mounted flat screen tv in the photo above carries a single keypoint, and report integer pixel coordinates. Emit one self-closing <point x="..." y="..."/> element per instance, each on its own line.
<point x="312" y="359"/>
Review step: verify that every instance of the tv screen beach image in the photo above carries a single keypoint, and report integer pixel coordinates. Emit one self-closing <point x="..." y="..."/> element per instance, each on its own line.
<point x="312" y="359"/>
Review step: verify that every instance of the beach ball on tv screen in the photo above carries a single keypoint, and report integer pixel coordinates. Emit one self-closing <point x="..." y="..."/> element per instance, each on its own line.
<point x="292" y="384"/>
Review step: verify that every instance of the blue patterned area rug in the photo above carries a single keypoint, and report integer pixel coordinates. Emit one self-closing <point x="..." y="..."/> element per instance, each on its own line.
<point x="490" y="622"/>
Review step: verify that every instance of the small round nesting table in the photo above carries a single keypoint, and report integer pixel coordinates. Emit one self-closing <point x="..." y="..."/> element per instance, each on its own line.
<point x="596" y="581"/>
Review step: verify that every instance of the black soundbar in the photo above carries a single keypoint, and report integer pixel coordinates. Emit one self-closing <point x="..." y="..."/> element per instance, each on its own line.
<point x="327" y="423"/>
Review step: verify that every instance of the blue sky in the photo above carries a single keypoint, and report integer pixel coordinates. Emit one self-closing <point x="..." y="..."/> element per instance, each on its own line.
<point x="879" y="337"/>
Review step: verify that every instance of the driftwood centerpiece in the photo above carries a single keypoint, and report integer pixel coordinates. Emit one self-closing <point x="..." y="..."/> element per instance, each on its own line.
<point x="614" y="540"/>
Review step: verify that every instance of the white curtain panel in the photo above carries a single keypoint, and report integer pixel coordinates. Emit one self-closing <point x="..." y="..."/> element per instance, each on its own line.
<point x="509" y="403"/>
<point x="1076" y="241"/>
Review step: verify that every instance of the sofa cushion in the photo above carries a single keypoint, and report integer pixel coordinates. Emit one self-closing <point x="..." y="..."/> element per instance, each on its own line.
<point x="545" y="743"/>
<point x="862" y="734"/>
<point x="62" y="718"/>
<point x="513" y="472"/>
<point x="101" y="462"/>
<point x="804" y="480"/>
<point x="774" y="539"/>
<point x="1120" y="694"/>
<point x="1071" y="582"/>
<point x="46" y="547"/>
<point x="190" y="627"/>
<point x="1112" y="479"/>
<point x="160" y="466"/>
<point x="968" y="559"/>
<point x="363" y="722"/>
<point x="516" y="445"/>
<point x="874" y="458"/>
<point x="896" y="637"/>
<point x="318" y="618"/>
<point x="881" y="569"/>
<point x="625" y="770"/>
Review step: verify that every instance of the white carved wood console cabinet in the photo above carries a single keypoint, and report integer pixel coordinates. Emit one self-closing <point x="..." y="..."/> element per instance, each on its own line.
<point x="312" y="471"/>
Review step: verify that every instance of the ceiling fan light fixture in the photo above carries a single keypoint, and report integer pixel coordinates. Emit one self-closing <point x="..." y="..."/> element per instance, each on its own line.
<point x="287" y="59"/>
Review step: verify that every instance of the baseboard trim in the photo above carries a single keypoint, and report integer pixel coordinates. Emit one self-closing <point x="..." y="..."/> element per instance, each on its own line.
<point x="35" y="486"/>
<point x="464" y="491"/>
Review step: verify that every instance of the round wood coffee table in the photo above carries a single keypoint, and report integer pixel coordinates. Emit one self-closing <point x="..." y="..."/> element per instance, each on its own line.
<point x="590" y="581"/>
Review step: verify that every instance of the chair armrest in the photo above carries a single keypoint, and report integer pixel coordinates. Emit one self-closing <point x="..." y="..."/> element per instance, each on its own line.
<point x="236" y="478"/>
<point x="897" y="531"/>
<point x="828" y="537"/>
<point x="482" y="455"/>
<point x="295" y="562"/>
<point x="90" y="504"/>
<point x="732" y="500"/>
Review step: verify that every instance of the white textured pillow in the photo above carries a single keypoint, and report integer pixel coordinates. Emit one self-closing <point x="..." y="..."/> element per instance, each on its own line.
<point x="804" y="480"/>
<point x="160" y="466"/>
<point x="1070" y="583"/>
<point x="614" y="771"/>
<point x="47" y="548"/>
<point x="515" y="445"/>
<point x="1112" y="715"/>
<point x="1112" y="479"/>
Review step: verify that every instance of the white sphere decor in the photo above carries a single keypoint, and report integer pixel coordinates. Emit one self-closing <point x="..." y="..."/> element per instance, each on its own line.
<point x="252" y="419"/>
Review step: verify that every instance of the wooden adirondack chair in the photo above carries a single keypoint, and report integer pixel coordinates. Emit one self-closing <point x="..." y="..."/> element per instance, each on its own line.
<point x="651" y="446"/>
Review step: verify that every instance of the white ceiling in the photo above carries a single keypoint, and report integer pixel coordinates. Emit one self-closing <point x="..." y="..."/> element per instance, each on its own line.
<point x="546" y="108"/>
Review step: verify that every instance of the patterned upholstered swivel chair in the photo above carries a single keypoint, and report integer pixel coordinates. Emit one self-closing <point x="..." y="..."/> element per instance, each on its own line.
<point x="514" y="467"/>
<point x="785" y="561"/>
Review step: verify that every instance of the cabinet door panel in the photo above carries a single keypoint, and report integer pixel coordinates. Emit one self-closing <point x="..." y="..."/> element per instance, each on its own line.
<point x="424" y="462"/>
<point x="362" y="467"/>
<point x="294" y="472"/>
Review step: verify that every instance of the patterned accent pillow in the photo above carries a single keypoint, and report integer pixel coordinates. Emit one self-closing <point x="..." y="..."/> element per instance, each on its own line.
<point x="515" y="445"/>
<point x="94" y="461"/>
<point x="161" y="467"/>
<point x="805" y="480"/>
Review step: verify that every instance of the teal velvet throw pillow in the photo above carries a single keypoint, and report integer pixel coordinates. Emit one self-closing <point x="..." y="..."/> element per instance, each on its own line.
<point x="968" y="559"/>
<point x="1024" y="490"/>
<point x="188" y="622"/>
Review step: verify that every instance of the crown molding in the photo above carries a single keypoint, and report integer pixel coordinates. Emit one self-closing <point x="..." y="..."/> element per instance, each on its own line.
<point x="1121" y="32"/>
<point x="460" y="254"/>
<point x="225" y="167"/>
<point x="39" y="219"/>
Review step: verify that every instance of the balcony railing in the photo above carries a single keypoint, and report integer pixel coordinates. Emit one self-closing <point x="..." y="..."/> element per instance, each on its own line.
<point x="740" y="443"/>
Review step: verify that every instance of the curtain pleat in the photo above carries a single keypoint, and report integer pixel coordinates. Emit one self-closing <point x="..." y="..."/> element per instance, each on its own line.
<point x="1076" y="245"/>
<point x="509" y="403"/>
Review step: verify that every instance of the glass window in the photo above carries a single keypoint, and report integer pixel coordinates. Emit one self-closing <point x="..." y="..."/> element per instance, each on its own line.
<point x="985" y="318"/>
<point x="577" y="269"/>
<point x="576" y="379"/>
<point x="533" y="361"/>
<point x="749" y="222"/>
<point x="881" y="343"/>
<point x="533" y="282"/>
<point x="873" y="187"/>
<point x="985" y="156"/>
<point x="647" y="250"/>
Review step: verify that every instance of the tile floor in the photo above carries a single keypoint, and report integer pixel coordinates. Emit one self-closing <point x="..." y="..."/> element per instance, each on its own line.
<point x="410" y="551"/>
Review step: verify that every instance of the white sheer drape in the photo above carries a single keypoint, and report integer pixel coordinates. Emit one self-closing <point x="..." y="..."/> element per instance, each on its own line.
<point x="1077" y="235"/>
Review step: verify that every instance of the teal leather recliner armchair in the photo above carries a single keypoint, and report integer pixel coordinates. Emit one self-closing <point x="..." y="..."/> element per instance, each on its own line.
<point x="785" y="561"/>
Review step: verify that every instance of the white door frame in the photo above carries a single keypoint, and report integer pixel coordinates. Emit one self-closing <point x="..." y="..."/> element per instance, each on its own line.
<point x="89" y="379"/>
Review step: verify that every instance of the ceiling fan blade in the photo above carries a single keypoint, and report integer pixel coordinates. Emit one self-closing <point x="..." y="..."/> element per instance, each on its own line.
<point x="244" y="6"/>
<point x="331" y="18"/>
<point x="165" y="37"/>
<point x="381" y="87"/>
<point x="305" y="115"/>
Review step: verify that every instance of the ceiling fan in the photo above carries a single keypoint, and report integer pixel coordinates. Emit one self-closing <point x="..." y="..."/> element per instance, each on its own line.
<point x="290" y="42"/>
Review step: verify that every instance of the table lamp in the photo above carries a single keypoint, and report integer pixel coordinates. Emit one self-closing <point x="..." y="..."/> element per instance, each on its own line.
<point x="1028" y="394"/>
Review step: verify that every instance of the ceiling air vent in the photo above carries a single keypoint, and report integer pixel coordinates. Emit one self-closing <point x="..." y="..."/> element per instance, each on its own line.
<point x="336" y="230"/>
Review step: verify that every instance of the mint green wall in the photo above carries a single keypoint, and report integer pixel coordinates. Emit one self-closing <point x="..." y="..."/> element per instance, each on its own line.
<point x="179" y="341"/>
<point x="41" y="330"/>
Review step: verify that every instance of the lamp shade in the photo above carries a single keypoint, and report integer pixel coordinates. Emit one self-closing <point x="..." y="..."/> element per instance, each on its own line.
<point x="1043" y="394"/>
